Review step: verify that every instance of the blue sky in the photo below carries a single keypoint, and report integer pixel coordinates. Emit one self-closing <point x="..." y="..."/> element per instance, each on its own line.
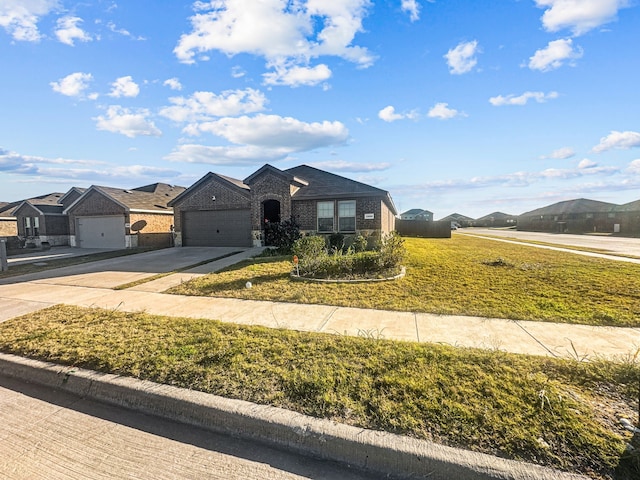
<point x="451" y="105"/>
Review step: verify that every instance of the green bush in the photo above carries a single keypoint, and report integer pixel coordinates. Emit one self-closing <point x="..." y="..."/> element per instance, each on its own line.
<point x="316" y="262"/>
<point x="392" y="250"/>
<point x="282" y="235"/>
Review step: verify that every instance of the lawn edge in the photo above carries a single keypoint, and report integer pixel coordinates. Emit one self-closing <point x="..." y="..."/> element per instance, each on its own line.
<point x="373" y="451"/>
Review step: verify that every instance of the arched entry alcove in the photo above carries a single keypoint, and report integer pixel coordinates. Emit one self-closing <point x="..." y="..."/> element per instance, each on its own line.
<point x="271" y="216"/>
<point x="271" y="210"/>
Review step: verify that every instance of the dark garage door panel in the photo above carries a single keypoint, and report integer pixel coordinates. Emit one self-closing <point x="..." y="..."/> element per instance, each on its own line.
<point x="217" y="228"/>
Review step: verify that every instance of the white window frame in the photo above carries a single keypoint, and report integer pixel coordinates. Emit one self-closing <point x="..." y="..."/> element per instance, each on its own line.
<point x="322" y="213"/>
<point x="351" y="205"/>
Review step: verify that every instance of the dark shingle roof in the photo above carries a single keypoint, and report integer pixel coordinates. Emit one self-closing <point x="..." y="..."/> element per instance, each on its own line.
<point x="413" y="211"/>
<point x="580" y="205"/>
<point x="323" y="184"/>
<point x="495" y="216"/>
<point x="629" y="207"/>
<point x="150" y="197"/>
<point x="456" y="217"/>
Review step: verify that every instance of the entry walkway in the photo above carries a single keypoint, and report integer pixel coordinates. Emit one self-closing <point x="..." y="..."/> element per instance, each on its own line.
<point x="524" y="337"/>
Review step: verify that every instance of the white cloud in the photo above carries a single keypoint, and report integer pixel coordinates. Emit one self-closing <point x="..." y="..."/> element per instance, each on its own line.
<point x="206" y="105"/>
<point x="343" y="166"/>
<point x="127" y="122"/>
<point x="68" y="31"/>
<point x="238" y="72"/>
<point x="283" y="32"/>
<point x="412" y="8"/>
<point x="233" y="155"/>
<point x="20" y="17"/>
<point x="539" y="97"/>
<point x="276" y="132"/>
<point x="173" y="83"/>
<point x="121" y="31"/>
<point x="634" y="167"/>
<point x="124" y="87"/>
<point x="554" y="55"/>
<point x="560" y="154"/>
<point x="619" y="140"/>
<point x="297" y="75"/>
<point x="586" y="163"/>
<point x="462" y="58"/>
<point x="388" y="114"/>
<point x="443" y="112"/>
<point x="73" y="85"/>
<point x="579" y="15"/>
<point x="76" y="169"/>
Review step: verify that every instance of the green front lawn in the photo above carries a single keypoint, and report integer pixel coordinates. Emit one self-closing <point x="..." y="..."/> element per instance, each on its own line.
<point x="560" y="413"/>
<point x="462" y="276"/>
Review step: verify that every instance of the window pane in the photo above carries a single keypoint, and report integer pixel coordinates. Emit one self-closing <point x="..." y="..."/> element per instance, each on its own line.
<point x="347" y="216"/>
<point x="325" y="216"/>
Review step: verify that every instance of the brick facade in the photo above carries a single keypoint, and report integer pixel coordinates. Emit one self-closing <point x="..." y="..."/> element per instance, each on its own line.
<point x="8" y="227"/>
<point x="269" y="186"/>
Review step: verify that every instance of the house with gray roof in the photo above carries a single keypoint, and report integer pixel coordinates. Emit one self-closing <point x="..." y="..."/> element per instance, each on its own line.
<point x="221" y="211"/>
<point x="417" y="214"/>
<point x="107" y="217"/>
<point x="572" y="216"/>
<point x="496" y="220"/>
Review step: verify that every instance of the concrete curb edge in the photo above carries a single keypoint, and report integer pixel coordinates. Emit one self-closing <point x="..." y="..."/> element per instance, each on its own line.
<point x="379" y="452"/>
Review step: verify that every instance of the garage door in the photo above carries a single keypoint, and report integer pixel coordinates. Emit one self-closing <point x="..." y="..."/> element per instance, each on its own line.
<point x="217" y="228"/>
<point x="101" y="232"/>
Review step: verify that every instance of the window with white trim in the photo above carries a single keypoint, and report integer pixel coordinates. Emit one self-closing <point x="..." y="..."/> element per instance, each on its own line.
<point x="347" y="216"/>
<point x="325" y="216"/>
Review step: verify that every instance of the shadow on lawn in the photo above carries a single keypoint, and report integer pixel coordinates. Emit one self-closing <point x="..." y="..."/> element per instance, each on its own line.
<point x="629" y="465"/>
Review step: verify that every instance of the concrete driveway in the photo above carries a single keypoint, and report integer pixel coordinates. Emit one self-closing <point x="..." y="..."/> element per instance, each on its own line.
<point x="120" y="270"/>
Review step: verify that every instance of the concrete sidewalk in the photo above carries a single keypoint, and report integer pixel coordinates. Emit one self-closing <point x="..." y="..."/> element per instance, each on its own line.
<point x="523" y="337"/>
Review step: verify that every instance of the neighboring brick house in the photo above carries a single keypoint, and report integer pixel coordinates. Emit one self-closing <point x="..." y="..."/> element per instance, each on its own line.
<point x="458" y="220"/>
<point x="628" y="219"/>
<point x="106" y="217"/>
<point x="572" y="216"/>
<point x="222" y="211"/>
<point x="417" y="214"/>
<point x="41" y="219"/>
<point x="496" y="219"/>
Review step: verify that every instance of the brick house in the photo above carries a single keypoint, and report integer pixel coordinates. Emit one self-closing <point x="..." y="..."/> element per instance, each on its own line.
<point x="106" y="217"/>
<point x="223" y="211"/>
<point x="417" y="214"/>
<point x="572" y="216"/>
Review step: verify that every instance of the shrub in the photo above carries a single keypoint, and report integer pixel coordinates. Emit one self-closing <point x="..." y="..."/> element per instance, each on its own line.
<point x="336" y="242"/>
<point x="282" y="235"/>
<point x="359" y="244"/>
<point x="314" y="261"/>
<point x="392" y="251"/>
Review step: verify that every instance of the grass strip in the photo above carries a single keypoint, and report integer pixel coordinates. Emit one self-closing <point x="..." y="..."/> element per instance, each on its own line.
<point x="463" y="275"/>
<point x="124" y="286"/>
<point x="559" y="413"/>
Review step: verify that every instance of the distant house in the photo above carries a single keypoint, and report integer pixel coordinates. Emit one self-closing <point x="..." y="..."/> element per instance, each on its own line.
<point x="417" y="214"/>
<point x="40" y="219"/>
<point x="221" y="211"/>
<point x="628" y="219"/>
<point x="107" y="217"/>
<point x="573" y="216"/>
<point x="458" y="219"/>
<point x="496" y="220"/>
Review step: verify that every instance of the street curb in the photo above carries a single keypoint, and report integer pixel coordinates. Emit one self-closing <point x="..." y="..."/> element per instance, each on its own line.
<point x="380" y="452"/>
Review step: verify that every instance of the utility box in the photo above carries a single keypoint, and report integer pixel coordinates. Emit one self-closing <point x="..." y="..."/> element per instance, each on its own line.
<point x="4" y="264"/>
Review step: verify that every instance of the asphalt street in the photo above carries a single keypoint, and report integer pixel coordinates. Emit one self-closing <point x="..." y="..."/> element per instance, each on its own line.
<point x="51" y="435"/>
